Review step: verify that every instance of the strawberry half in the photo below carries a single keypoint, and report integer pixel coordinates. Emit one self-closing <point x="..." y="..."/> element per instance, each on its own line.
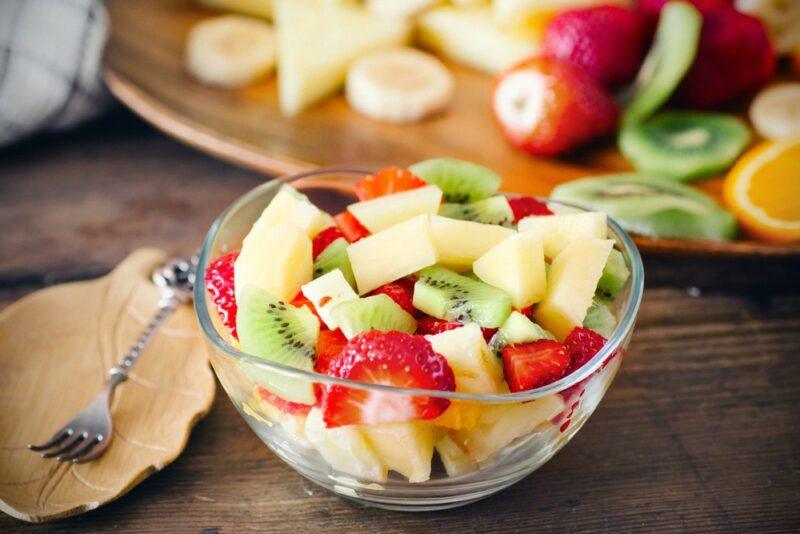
<point x="387" y="181"/>
<point x="323" y="239"/>
<point x="329" y="345"/>
<point x="286" y="406"/>
<point x="350" y="227"/>
<point x="523" y="207"/>
<point x="392" y="359"/>
<point x="398" y="293"/>
<point x="582" y="344"/>
<point x="219" y="284"/>
<point x="532" y="365"/>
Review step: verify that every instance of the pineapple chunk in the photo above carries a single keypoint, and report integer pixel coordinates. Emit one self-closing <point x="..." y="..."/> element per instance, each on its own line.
<point x="345" y="448"/>
<point x="501" y="424"/>
<point x="460" y="414"/>
<point x="380" y="213"/>
<point x="571" y="285"/>
<point x="317" y="42"/>
<point x="469" y="36"/>
<point x="276" y="258"/>
<point x="290" y="206"/>
<point x="293" y="425"/>
<point x="460" y="243"/>
<point x="455" y="459"/>
<point x="557" y="231"/>
<point x="516" y="266"/>
<point x="476" y="370"/>
<point x="398" y="8"/>
<point x="513" y="13"/>
<point x="396" y="252"/>
<point x="326" y="292"/>
<point x="406" y="448"/>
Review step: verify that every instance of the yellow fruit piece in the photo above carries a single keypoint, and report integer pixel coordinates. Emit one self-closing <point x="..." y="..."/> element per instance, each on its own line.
<point x="456" y="460"/>
<point x="406" y="448"/>
<point x="476" y="370"/>
<point x="460" y="243"/>
<point x="517" y="267"/>
<point x="763" y="190"/>
<point x="461" y="415"/>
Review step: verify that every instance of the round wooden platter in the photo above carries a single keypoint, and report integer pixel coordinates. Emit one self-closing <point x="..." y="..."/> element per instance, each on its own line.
<point x="144" y="69"/>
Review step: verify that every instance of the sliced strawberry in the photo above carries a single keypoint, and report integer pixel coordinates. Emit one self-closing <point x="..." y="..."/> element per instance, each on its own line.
<point x="428" y="325"/>
<point x="582" y="344"/>
<point x="387" y="181"/>
<point x="300" y="300"/>
<point x="526" y="206"/>
<point x="219" y="284"/>
<point x="350" y="227"/>
<point x="488" y="333"/>
<point x="392" y="359"/>
<point x="329" y="345"/>
<point x="325" y="238"/>
<point x="532" y="365"/>
<point x="286" y="406"/>
<point x="527" y="312"/>
<point x="398" y="293"/>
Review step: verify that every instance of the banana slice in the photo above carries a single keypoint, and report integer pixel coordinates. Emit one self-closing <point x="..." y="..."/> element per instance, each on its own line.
<point x="399" y="85"/>
<point x="782" y="18"/>
<point x="775" y="111"/>
<point x="230" y="51"/>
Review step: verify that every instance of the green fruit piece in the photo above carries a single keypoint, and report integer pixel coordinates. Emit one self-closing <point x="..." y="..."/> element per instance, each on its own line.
<point x="460" y="181"/>
<point x="615" y="275"/>
<point x="378" y="312"/>
<point x="447" y="295"/>
<point x="651" y="206"/>
<point x="492" y="210"/>
<point x="335" y="257"/>
<point x="282" y="334"/>
<point x="518" y="329"/>
<point x="685" y="145"/>
<point x="600" y="318"/>
<point x="667" y="62"/>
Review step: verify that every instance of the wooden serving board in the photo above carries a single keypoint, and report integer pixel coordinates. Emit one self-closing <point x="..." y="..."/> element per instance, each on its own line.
<point x="144" y="69"/>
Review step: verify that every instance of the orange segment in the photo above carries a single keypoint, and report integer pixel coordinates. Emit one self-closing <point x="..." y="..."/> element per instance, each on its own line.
<point x="763" y="190"/>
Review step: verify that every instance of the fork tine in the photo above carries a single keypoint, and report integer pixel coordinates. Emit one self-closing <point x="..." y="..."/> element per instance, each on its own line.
<point x="57" y="438"/>
<point x="80" y="451"/>
<point x="96" y="450"/>
<point x="73" y="440"/>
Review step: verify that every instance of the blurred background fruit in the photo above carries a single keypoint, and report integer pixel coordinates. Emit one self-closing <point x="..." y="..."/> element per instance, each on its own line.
<point x="775" y="111"/>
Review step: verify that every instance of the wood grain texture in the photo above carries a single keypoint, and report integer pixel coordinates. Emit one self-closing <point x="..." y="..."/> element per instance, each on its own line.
<point x="698" y="433"/>
<point x="56" y="347"/>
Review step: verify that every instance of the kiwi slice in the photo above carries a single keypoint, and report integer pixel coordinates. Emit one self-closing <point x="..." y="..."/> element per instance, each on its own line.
<point x="447" y="295"/>
<point x="460" y="181"/>
<point x="492" y="210"/>
<point x="335" y="257"/>
<point x="600" y="318"/>
<point x="668" y="60"/>
<point x="518" y="329"/>
<point x="280" y="333"/>
<point x="651" y="205"/>
<point x="378" y="312"/>
<point x="685" y="145"/>
<point x="615" y="275"/>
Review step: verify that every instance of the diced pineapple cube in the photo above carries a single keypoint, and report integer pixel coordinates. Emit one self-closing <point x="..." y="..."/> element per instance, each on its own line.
<point x="289" y="206"/>
<point x="275" y="258"/>
<point x="380" y="213"/>
<point x="406" y="448"/>
<point x="461" y="414"/>
<point x="557" y="231"/>
<point x="393" y="253"/>
<point x="455" y="459"/>
<point x="460" y="243"/>
<point x="516" y="266"/>
<point x="345" y="448"/>
<point x="476" y="370"/>
<point x="571" y="285"/>
<point x="326" y="292"/>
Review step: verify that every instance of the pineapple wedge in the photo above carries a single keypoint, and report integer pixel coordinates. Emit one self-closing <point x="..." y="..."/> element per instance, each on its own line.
<point x="476" y="370"/>
<point x="406" y="448"/>
<point x="317" y="42"/>
<point x="380" y="213"/>
<point x="291" y="206"/>
<point x="517" y="267"/>
<point x="326" y="292"/>
<point x="276" y="258"/>
<point x="557" y="231"/>
<point x="455" y="459"/>
<point x="396" y="252"/>
<point x="460" y="243"/>
<point x="571" y="285"/>
<point x="468" y="35"/>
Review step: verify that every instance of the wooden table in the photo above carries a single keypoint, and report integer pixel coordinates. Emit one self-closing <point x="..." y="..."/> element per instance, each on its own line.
<point x="700" y="432"/>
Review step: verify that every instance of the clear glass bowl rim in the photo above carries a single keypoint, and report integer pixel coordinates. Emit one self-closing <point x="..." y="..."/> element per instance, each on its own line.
<point x="624" y="327"/>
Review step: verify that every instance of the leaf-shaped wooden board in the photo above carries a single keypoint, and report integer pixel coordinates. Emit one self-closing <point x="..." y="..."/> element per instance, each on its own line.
<point x="56" y="347"/>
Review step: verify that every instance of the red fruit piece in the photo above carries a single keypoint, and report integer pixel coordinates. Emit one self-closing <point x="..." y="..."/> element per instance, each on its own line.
<point x="734" y="58"/>
<point x="323" y="239"/>
<point x="582" y="344"/>
<point x="607" y="42"/>
<point x="392" y="359"/>
<point x="428" y="325"/>
<point x="219" y="284"/>
<point x="526" y="206"/>
<point x="546" y="107"/>
<point x="398" y="293"/>
<point x="387" y="181"/>
<point x="329" y="345"/>
<point x="300" y="300"/>
<point x="532" y="365"/>
<point x="350" y="227"/>
<point x="286" y="406"/>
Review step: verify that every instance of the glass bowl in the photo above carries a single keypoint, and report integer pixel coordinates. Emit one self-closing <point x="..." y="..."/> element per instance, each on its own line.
<point x="511" y="436"/>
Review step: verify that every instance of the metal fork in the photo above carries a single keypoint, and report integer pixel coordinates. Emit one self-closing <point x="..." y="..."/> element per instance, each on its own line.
<point x="89" y="434"/>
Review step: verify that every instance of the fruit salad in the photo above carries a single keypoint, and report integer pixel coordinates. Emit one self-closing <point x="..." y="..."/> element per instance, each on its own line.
<point x="434" y="281"/>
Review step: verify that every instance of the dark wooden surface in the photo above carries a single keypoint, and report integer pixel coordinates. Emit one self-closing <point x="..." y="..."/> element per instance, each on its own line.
<point x="700" y="431"/>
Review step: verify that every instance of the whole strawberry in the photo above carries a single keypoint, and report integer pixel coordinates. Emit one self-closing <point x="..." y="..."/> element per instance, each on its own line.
<point x="607" y="42"/>
<point x="546" y="107"/>
<point x="734" y="57"/>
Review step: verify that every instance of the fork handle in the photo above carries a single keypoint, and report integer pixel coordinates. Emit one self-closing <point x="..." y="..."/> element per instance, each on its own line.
<point x="165" y="307"/>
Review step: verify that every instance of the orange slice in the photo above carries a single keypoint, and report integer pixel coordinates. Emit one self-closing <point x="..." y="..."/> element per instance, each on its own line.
<point x="763" y="190"/>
